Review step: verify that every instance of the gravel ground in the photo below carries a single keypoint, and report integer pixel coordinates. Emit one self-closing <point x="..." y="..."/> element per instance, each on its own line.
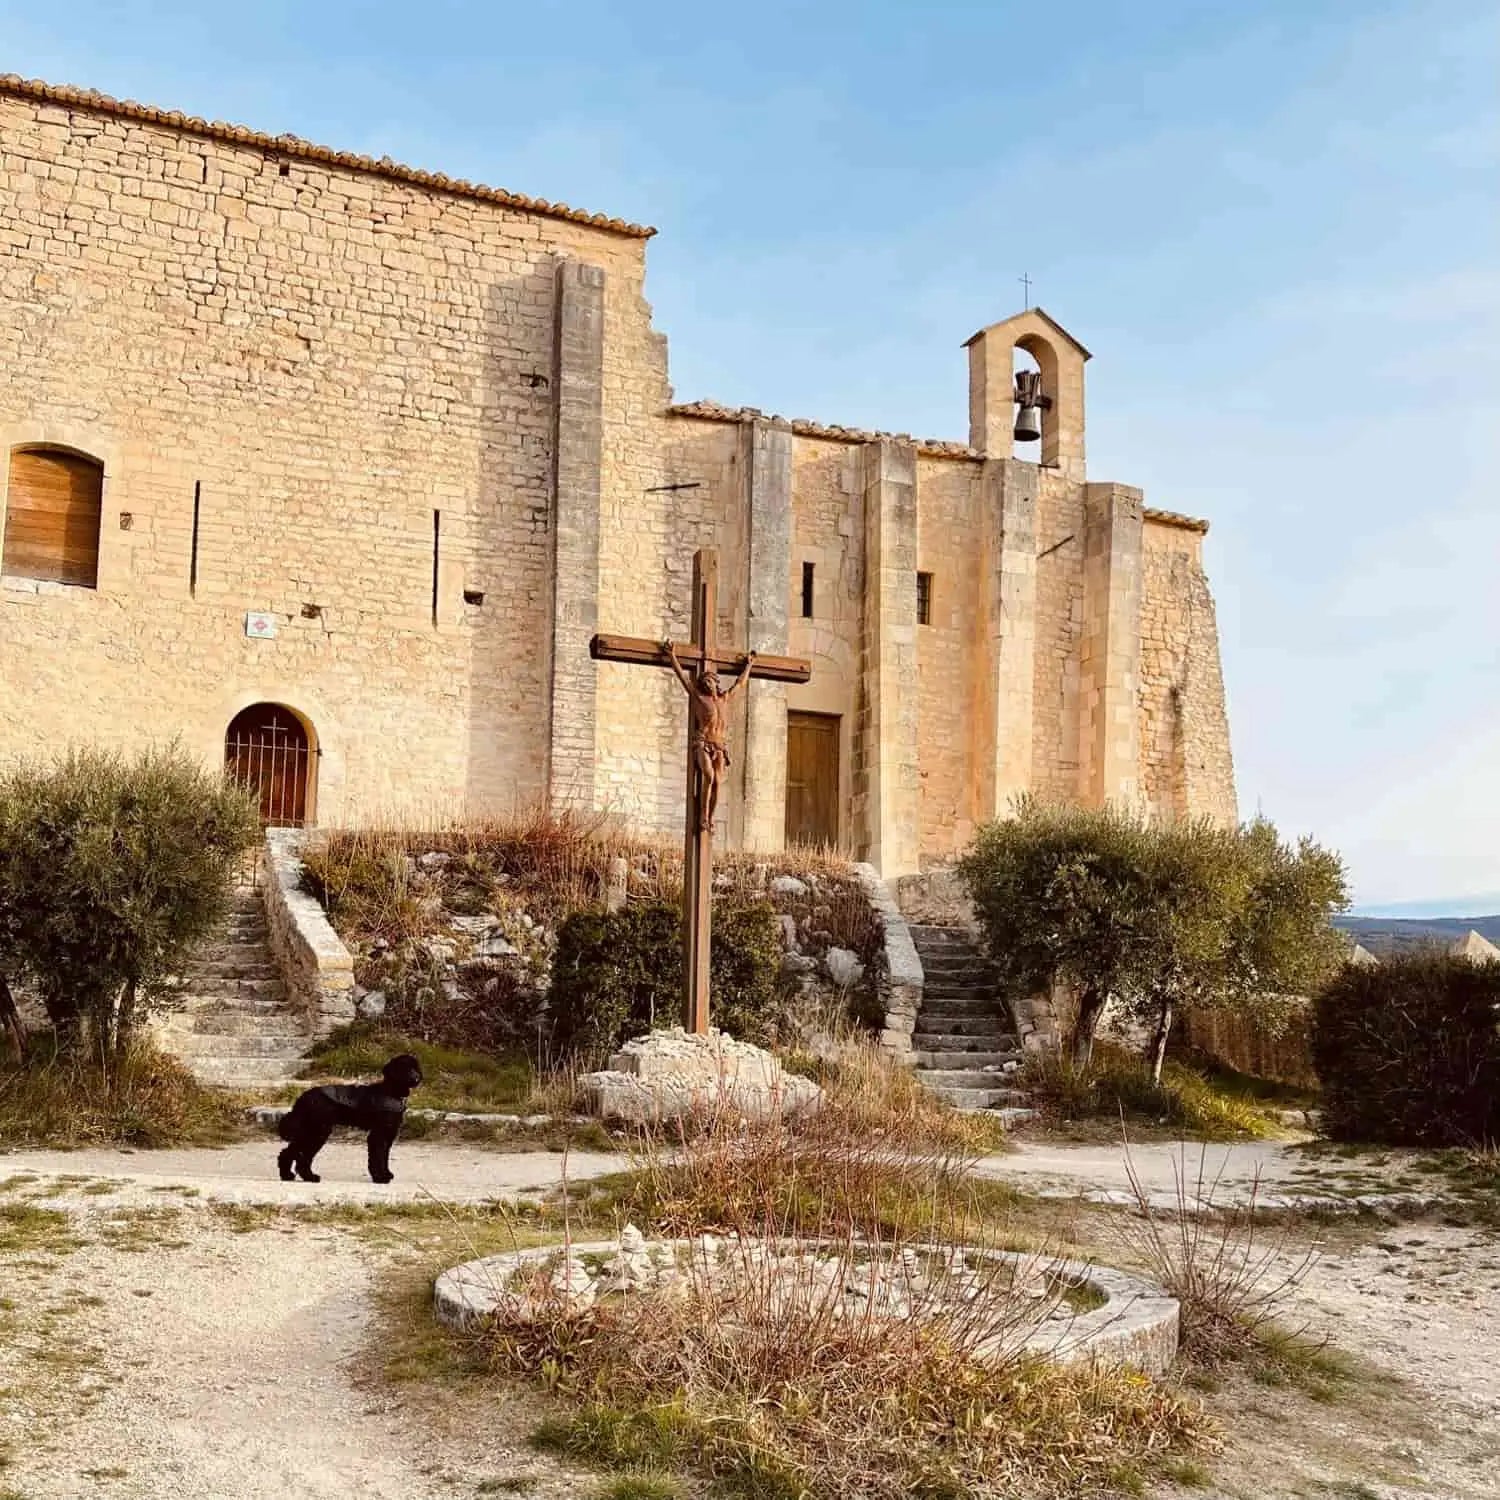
<point x="246" y="1173"/>
<point x="221" y="1365"/>
<point x="224" y="1368"/>
<point x="1157" y="1164"/>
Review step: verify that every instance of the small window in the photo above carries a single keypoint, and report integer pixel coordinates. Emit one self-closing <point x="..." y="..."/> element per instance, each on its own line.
<point x="53" y="503"/>
<point x="924" y="598"/>
<point x="807" y="590"/>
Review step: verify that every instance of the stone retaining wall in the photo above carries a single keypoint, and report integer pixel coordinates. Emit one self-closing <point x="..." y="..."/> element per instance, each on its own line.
<point x="901" y="984"/>
<point x="1137" y="1325"/>
<point x="316" y="967"/>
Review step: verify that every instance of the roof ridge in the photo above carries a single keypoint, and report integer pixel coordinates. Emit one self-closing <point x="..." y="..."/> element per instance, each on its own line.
<point x="714" y="411"/>
<point x="292" y="145"/>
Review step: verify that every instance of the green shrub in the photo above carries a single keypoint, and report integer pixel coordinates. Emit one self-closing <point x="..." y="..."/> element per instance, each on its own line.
<point x="111" y="870"/>
<point x="1408" y="1052"/>
<point x="1165" y="918"/>
<point x="451" y="1078"/>
<point x="620" y="973"/>
<point x="1120" y="1084"/>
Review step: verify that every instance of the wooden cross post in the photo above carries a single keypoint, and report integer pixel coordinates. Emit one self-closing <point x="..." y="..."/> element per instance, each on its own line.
<point x="699" y="655"/>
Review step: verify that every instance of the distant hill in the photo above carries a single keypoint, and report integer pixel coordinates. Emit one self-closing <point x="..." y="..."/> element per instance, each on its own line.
<point x="1385" y="935"/>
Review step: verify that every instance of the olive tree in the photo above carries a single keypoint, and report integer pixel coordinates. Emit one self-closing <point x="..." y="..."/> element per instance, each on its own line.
<point x="111" y="870"/>
<point x="1066" y="894"/>
<point x="1164" y="918"/>
<point x="1246" y="925"/>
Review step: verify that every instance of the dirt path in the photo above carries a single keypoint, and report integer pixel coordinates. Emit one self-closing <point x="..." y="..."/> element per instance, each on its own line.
<point x="172" y="1355"/>
<point x="219" y="1366"/>
<point x="246" y="1173"/>
<point x="1158" y="1166"/>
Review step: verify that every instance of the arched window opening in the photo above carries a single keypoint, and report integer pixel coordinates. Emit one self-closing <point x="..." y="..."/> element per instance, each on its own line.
<point x="53" y="503"/>
<point x="1036" y="366"/>
<point x="1029" y="421"/>
<point x="266" y="751"/>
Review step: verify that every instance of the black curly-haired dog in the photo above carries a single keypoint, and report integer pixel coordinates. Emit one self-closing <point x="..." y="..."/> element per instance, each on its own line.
<point x="377" y="1108"/>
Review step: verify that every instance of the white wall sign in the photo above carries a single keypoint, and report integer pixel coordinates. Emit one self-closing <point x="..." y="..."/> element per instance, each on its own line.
<point x="260" y="626"/>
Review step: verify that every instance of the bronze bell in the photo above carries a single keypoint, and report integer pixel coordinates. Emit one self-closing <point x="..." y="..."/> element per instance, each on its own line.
<point x="1032" y="404"/>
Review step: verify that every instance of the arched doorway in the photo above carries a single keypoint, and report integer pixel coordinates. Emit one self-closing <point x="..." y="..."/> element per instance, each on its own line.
<point x="266" y="750"/>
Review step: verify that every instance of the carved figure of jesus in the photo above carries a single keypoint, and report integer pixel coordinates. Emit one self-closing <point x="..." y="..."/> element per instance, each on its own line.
<point x="710" y="727"/>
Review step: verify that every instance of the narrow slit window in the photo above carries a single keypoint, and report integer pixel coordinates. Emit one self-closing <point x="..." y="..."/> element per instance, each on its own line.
<point x="807" y="590"/>
<point x="193" y="556"/>
<point x="437" y="523"/>
<point x="924" y="598"/>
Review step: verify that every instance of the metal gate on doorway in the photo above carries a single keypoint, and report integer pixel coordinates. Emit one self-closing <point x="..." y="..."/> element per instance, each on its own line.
<point x="266" y="751"/>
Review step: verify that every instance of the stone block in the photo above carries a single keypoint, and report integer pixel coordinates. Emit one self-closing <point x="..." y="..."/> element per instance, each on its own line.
<point x="672" y="1075"/>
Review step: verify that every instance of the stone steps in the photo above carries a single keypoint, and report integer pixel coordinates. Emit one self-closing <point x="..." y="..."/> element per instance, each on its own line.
<point x="231" y="1023"/>
<point x="960" y="1005"/>
<point x="196" y="1044"/>
<point x="965" y="1048"/>
<point x="245" y="1073"/>
<point x="963" y="1025"/>
<point x="944" y="1062"/>
<point x="977" y="1098"/>
<point x="993" y="1040"/>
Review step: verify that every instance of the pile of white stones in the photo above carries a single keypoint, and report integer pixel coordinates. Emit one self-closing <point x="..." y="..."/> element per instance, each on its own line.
<point x="1006" y="1299"/>
<point x="673" y="1075"/>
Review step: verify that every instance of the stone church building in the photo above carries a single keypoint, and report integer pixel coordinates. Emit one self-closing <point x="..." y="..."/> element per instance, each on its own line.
<point x="330" y="468"/>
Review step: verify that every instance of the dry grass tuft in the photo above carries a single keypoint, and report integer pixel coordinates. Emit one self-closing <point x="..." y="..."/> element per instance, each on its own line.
<point x="148" y="1099"/>
<point x="1119" y="1084"/>
<point x="768" y="1387"/>
<point x="551" y="864"/>
<point x="870" y="1097"/>
<point x="1231" y="1271"/>
<point x="772" y="1390"/>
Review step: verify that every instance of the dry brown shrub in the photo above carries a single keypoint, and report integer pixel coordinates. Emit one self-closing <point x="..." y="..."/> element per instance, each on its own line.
<point x="773" y="1387"/>
<point x="1231" y="1268"/>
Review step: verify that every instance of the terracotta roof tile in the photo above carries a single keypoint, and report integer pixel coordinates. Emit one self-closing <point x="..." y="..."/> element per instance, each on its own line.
<point x="291" y="145"/>
<point x="1171" y="518"/>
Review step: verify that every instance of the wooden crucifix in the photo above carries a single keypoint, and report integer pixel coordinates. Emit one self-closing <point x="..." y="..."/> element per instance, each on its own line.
<point x="697" y="664"/>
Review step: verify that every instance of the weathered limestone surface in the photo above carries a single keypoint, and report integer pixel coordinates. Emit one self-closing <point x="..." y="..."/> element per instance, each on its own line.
<point x="901" y="985"/>
<point x="428" y="429"/>
<point x="887" y="777"/>
<point x="316" y="967"/>
<point x="672" y="1074"/>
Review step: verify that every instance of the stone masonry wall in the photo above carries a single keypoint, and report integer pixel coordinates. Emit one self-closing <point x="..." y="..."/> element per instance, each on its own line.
<point x="317" y="356"/>
<point x="1186" y="767"/>
<point x="828" y="532"/>
<point x="324" y="357"/>
<point x="1059" y="634"/>
<point x="950" y="665"/>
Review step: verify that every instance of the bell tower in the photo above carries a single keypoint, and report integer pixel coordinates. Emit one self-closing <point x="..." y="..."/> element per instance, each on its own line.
<point x="1050" y="398"/>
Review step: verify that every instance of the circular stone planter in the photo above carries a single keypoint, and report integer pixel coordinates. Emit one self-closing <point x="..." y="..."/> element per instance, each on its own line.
<point x="1129" y="1322"/>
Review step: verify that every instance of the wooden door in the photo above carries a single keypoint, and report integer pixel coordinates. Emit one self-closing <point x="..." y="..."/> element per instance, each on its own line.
<point x="52" y="510"/>
<point x="812" y="778"/>
<point x="265" y="750"/>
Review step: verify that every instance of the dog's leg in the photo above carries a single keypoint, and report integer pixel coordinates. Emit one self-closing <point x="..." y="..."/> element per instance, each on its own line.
<point x="378" y="1146"/>
<point x="284" y="1164"/>
<point x="314" y="1138"/>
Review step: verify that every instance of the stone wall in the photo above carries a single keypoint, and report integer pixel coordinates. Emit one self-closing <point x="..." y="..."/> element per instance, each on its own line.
<point x="316" y="968"/>
<point x="1186" y="769"/>
<point x="950" y="670"/>
<point x="902" y="982"/>
<point x="319" y="358"/>
<point x="427" y="428"/>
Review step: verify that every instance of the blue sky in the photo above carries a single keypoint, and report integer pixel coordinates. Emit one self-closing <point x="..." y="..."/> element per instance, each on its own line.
<point x="1275" y="226"/>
